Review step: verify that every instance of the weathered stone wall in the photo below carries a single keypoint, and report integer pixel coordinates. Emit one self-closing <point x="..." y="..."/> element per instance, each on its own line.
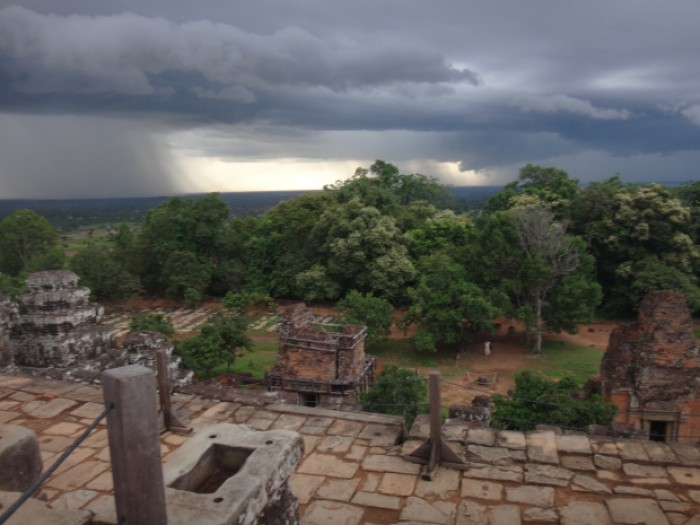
<point x="652" y="367"/>
<point x="316" y="365"/>
<point x="8" y="318"/>
<point x="58" y="326"/>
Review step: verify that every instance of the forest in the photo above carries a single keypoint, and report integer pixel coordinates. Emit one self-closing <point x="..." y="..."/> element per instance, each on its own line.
<point x="545" y="249"/>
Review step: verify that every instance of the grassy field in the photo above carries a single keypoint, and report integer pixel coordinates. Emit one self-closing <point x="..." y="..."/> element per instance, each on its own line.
<point x="76" y="239"/>
<point x="559" y="359"/>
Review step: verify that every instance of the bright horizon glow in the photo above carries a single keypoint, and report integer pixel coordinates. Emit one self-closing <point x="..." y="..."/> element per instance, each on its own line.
<point x="206" y="174"/>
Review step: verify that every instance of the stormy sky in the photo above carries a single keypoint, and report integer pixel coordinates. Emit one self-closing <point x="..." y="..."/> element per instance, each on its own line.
<point x="157" y="97"/>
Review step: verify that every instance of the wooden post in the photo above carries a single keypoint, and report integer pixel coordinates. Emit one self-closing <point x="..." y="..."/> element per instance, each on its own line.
<point x="435" y="450"/>
<point x="170" y="419"/>
<point x="134" y="445"/>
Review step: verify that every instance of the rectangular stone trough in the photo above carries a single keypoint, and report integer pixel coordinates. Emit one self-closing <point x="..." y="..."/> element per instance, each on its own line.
<point x="229" y="474"/>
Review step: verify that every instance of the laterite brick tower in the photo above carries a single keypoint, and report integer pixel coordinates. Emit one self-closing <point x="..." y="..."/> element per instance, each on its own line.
<point x="320" y="364"/>
<point x="651" y="370"/>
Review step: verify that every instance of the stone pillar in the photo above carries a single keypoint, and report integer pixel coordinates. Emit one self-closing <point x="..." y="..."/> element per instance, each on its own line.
<point x="20" y="458"/>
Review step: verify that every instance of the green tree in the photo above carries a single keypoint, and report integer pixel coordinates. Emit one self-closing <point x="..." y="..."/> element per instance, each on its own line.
<point x="533" y="270"/>
<point x="550" y="256"/>
<point x="13" y="286"/>
<point x="181" y="226"/>
<point x="364" y="250"/>
<point x="365" y="309"/>
<point x="399" y="392"/>
<point x="536" y="400"/>
<point x="186" y="276"/>
<point x="104" y="274"/>
<point x="630" y="229"/>
<point x="220" y="340"/>
<point x="446" y="306"/>
<point x="28" y="242"/>
<point x="153" y="323"/>
<point x="551" y="186"/>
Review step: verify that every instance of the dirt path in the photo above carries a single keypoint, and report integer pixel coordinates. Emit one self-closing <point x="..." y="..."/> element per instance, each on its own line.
<point x="509" y="354"/>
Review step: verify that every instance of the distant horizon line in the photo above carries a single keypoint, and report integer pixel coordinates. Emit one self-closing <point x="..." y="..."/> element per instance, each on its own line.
<point x="191" y="194"/>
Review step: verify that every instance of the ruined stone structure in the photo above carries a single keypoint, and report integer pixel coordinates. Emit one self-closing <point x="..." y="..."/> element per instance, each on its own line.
<point x="320" y="364"/>
<point x="232" y="474"/>
<point x="54" y="330"/>
<point x="8" y="318"/>
<point x="58" y="325"/>
<point x="140" y="349"/>
<point x="651" y="370"/>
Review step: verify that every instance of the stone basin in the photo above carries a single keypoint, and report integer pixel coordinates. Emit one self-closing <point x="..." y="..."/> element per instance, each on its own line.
<point x="230" y="474"/>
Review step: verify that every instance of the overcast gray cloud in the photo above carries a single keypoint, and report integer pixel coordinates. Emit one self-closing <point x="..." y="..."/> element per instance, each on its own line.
<point x="97" y="92"/>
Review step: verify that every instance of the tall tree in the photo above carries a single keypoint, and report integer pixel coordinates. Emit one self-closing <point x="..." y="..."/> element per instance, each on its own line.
<point x="363" y="250"/>
<point x="373" y="312"/>
<point x="446" y="306"/>
<point x="549" y="185"/>
<point x="550" y="257"/>
<point x="534" y="271"/>
<point x="631" y="229"/>
<point x="180" y="226"/>
<point x="28" y="242"/>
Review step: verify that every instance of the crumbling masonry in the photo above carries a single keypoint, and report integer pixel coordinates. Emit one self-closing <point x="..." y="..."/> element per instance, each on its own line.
<point x="320" y="364"/>
<point x="651" y="370"/>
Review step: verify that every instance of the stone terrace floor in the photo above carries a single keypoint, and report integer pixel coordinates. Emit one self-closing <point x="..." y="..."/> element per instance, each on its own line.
<point x="352" y="471"/>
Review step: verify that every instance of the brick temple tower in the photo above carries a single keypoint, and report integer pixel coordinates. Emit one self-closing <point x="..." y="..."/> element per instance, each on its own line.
<point x="651" y="370"/>
<point x="320" y="364"/>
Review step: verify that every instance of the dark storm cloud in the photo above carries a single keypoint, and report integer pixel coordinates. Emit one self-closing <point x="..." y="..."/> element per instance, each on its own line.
<point x="119" y="55"/>
<point x="487" y="85"/>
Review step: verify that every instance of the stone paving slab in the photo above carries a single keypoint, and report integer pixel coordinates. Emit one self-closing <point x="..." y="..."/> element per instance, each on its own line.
<point x="352" y="473"/>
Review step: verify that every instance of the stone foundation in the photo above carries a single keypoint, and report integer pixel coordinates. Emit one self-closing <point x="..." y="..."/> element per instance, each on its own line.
<point x="230" y="474"/>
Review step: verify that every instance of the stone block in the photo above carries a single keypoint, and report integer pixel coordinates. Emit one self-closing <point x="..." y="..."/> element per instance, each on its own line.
<point x="481" y="436"/>
<point x="511" y="439"/>
<point x="573" y="444"/>
<point x="443" y="483"/>
<point x="420" y="510"/>
<point x="584" y="513"/>
<point x="252" y="471"/>
<point x="506" y="473"/>
<point x="397" y="484"/>
<point x="35" y="511"/>
<point x="471" y="513"/>
<point x="607" y="462"/>
<point x="328" y="465"/>
<point x="634" y="470"/>
<point x="338" y="489"/>
<point x="490" y="455"/>
<point x="380" y="501"/>
<point x="632" y="450"/>
<point x="479" y="489"/>
<point x="632" y="511"/>
<point x="538" y="515"/>
<point x="505" y="515"/>
<point x="685" y="475"/>
<point x="542" y="447"/>
<point x="659" y="453"/>
<point x="529" y="495"/>
<point x="20" y="458"/>
<point x="577" y="463"/>
<point x="304" y="486"/>
<point x="322" y="512"/>
<point x="589" y="484"/>
<point x="547" y="475"/>
<point x="380" y="463"/>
